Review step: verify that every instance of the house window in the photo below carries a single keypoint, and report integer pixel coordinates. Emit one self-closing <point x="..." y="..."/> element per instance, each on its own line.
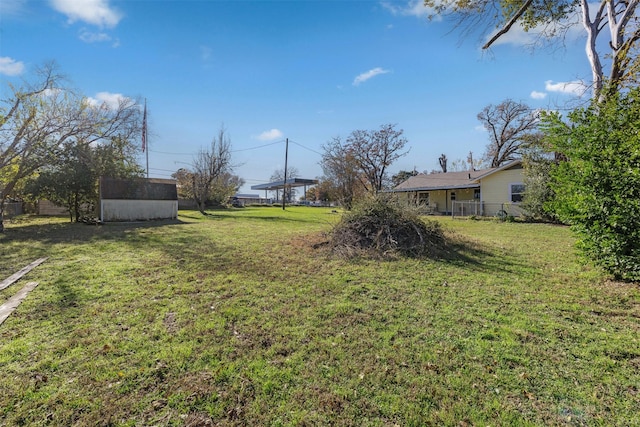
<point x="516" y="192"/>
<point x="476" y="194"/>
<point x="423" y="199"/>
<point x="453" y="195"/>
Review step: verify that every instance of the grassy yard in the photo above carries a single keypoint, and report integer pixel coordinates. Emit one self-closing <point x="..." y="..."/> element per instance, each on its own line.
<point x="234" y="319"/>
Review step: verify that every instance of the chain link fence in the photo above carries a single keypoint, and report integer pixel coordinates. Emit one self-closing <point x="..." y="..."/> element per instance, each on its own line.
<point x="467" y="208"/>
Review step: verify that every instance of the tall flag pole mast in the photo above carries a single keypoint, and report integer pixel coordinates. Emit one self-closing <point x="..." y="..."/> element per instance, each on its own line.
<point x="284" y="187"/>
<point x="144" y="135"/>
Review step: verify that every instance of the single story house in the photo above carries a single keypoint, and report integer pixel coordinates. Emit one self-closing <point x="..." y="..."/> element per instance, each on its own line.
<point x="486" y="192"/>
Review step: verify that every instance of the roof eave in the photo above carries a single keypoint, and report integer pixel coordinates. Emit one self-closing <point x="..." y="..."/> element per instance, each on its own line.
<point x="448" y="187"/>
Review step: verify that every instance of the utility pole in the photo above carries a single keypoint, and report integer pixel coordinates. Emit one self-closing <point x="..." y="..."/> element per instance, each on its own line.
<point x="286" y="159"/>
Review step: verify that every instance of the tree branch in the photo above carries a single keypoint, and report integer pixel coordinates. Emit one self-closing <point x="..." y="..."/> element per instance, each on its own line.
<point x="509" y="24"/>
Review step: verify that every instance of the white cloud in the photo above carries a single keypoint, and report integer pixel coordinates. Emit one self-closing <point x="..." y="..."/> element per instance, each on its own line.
<point x="411" y="8"/>
<point x="516" y="36"/>
<point x="91" y="37"/>
<point x="10" y="67"/>
<point x="111" y="100"/>
<point x="95" y="12"/>
<point x="576" y="87"/>
<point x="368" y="75"/>
<point x="50" y="93"/>
<point x="270" y="135"/>
<point x="538" y="95"/>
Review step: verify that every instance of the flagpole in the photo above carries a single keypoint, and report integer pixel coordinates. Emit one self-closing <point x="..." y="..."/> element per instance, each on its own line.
<point x="144" y="136"/>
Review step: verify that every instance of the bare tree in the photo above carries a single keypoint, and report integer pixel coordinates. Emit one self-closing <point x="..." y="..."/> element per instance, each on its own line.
<point x="509" y="125"/>
<point x="552" y="18"/>
<point x="278" y="175"/>
<point x="40" y="119"/>
<point x="374" y="151"/>
<point x="208" y="165"/>
<point x="443" y="162"/>
<point x="341" y="173"/>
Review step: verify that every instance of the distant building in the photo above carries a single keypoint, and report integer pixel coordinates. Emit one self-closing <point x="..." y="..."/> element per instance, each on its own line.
<point x="487" y="192"/>
<point x="249" y="199"/>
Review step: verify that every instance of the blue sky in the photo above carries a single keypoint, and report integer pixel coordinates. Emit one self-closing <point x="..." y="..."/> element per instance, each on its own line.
<point x="269" y="70"/>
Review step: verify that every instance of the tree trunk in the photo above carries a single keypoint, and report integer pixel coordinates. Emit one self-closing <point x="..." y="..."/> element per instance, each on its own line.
<point x="592" y="29"/>
<point x="76" y="206"/>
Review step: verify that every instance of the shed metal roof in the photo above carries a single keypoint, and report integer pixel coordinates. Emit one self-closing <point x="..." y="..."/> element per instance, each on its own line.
<point x="279" y="185"/>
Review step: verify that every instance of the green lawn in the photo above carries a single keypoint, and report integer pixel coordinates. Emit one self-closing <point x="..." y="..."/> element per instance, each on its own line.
<point x="235" y="319"/>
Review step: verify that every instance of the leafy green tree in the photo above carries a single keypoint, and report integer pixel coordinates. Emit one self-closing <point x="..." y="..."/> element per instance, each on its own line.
<point x="225" y="186"/>
<point x="71" y="179"/>
<point x="43" y="117"/>
<point x="597" y="190"/>
<point x="184" y="178"/>
<point x="402" y="176"/>
<point x="117" y="158"/>
<point x="537" y="165"/>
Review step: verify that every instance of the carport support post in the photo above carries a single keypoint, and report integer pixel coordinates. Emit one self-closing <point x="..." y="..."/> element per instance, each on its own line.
<point x="286" y="158"/>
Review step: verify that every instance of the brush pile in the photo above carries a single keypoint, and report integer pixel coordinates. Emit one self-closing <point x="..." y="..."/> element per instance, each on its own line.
<point x="383" y="227"/>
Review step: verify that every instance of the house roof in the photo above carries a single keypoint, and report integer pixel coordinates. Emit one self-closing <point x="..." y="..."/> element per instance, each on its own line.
<point x="450" y="180"/>
<point x="501" y="168"/>
<point x="442" y="181"/>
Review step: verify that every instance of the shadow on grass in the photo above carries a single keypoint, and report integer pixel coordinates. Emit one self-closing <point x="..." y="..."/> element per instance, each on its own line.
<point x="278" y="216"/>
<point x="457" y="251"/>
<point x="77" y="232"/>
<point x="479" y="257"/>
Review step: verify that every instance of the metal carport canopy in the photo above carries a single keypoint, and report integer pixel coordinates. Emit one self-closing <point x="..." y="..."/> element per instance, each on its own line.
<point x="279" y="185"/>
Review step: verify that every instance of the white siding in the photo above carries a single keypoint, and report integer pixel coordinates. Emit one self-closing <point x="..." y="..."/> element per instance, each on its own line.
<point x="138" y="210"/>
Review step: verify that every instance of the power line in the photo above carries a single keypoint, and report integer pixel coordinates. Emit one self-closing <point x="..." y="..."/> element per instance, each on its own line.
<point x="233" y="151"/>
<point x="163" y="170"/>
<point x="172" y="154"/>
<point x="259" y="146"/>
<point x="306" y="148"/>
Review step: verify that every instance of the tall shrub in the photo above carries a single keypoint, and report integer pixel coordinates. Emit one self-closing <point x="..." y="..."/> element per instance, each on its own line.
<point x="597" y="190"/>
